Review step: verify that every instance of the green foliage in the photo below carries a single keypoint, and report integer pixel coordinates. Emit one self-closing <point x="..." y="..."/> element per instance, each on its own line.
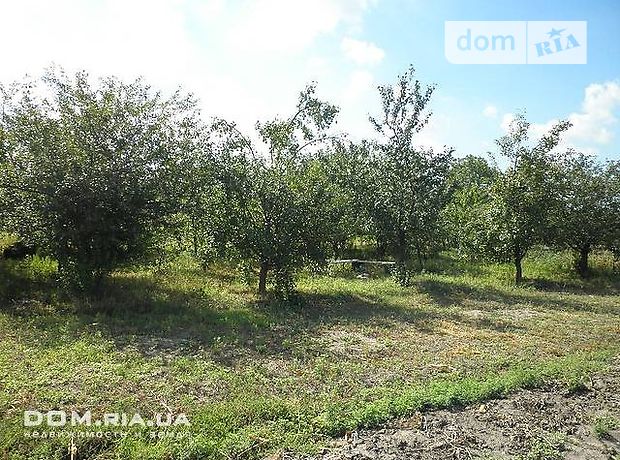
<point x="588" y="205"/>
<point x="470" y="181"/>
<point x="89" y="169"/>
<point x="272" y="208"/>
<point x="612" y="238"/>
<point x="346" y="169"/>
<point x="7" y="240"/>
<point x="103" y="174"/>
<point x="525" y="198"/>
<point x="408" y="185"/>
<point x="603" y="425"/>
<point x="546" y="448"/>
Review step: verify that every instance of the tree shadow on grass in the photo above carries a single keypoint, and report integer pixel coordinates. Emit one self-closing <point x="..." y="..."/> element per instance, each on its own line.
<point x="451" y="293"/>
<point x="17" y="284"/>
<point x="162" y="321"/>
<point x="600" y="286"/>
<point x="446" y="265"/>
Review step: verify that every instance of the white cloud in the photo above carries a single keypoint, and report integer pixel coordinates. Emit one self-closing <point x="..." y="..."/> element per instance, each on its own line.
<point x="434" y="134"/>
<point x="126" y="38"/>
<point x="361" y="52"/>
<point x="506" y="121"/>
<point x="210" y="10"/>
<point x="317" y="67"/>
<point x="360" y="82"/>
<point x="597" y="120"/>
<point x="538" y="130"/>
<point x="357" y="100"/>
<point x="282" y="26"/>
<point x="490" y="111"/>
<point x="245" y="60"/>
<point x="286" y="27"/>
<point x="594" y="126"/>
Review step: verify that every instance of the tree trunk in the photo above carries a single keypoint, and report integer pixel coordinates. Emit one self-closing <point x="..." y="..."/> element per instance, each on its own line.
<point x="582" y="262"/>
<point x="518" y="257"/>
<point x="381" y="250"/>
<point x="402" y="253"/>
<point x="337" y="248"/>
<point x="420" y="258"/>
<point x="518" y="271"/>
<point x="262" y="278"/>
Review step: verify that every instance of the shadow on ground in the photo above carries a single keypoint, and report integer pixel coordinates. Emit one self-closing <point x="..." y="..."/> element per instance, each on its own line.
<point x="157" y="320"/>
<point x="160" y="319"/>
<point x="547" y="295"/>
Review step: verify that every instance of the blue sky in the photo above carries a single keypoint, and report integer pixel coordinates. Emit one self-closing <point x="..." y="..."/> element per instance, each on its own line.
<point x="247" y="60"/>
<point x="546" y="92"/>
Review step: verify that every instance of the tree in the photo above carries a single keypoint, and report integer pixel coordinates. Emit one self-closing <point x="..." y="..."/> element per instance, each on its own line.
<point x="346" y="170"/>
<point x="274" y="212"/>
<point x="409" y="186"/>
<point x="470" y="181"/>
<point x="585" y="207"/>
<point x="525" y="197"/>
<point x="612" y="236"/>
<point x="90" y="170"/>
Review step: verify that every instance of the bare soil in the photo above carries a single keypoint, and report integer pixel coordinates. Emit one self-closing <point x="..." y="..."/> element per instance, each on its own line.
<point x="541" y="424"/>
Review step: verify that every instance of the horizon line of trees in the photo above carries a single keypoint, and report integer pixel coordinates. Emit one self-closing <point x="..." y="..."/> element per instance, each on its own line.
<point x="101" y="175"/>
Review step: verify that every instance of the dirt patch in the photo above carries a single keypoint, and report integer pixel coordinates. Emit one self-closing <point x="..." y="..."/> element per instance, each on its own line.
<point x="541" y="424"/>
<point x="342" y="342"/>
<point x="522" y="314"/>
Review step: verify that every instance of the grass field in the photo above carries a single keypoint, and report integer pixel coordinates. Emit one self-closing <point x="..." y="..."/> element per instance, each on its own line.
<point x="256" y="376"/>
